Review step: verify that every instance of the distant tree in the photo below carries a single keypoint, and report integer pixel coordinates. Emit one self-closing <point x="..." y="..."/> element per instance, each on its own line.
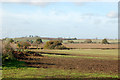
<point x="3" y="39"/>
<point x="31" y="41"/>
<point x="16" y="42"/>
<point x="88" y="41"/>
<point x="36" y="36"/>
<point x="28" y="41"/>
<point x="19" y="45"/>
<point x="11" y="40"/>
<point x="104" y="41"/>
<point x="74" y="38"/>
<point x="38" y="41"/>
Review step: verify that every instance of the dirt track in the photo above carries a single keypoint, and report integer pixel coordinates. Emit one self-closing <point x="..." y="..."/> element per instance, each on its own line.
<point x="79" y="64"/>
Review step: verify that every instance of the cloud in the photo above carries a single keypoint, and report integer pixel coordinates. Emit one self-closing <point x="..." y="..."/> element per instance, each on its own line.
<point x="32" y="2"/>
<point x="43" y="4"/>
<point x="98" y="21"/>
<point x="112" y="21"/>
<point x="54" y="21"/>
<point x="79" y="3"/>
<point x="112" y="14"/>
<point x="59" y="0"/>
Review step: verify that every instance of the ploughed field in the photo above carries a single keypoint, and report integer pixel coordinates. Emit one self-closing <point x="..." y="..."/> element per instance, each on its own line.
<point x="103" y="61"/>
<point x="92" y="46"/>
<point x="85" y="46"/>
<point x="75" y="63"/>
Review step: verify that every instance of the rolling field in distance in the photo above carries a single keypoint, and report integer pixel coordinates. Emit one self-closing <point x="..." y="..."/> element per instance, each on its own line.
<point x="79" y="44"/>
<point x="64" y="41"/>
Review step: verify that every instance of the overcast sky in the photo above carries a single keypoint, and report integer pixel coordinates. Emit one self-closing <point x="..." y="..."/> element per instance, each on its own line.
<point x="60" y="19"/>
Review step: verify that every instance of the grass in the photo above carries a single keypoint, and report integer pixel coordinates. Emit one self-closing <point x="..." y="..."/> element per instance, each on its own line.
<point x="50" y="72"/>
<point x="87" y="57"/>
<point x="111" y="54"/>
<point x="13" y="64"/>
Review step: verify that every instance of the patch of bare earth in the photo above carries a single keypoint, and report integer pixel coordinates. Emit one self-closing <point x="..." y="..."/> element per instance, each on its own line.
<point x="79" y="64"/>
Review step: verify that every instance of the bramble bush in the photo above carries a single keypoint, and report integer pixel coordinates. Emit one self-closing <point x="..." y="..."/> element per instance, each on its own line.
<point x="88" y="41"/>
<point x="104" y="41"/>
<point x="54" y="44"/>
<point x="39" y="41"/>
<point x="70" y="41"/>
<point x="23" y="45"/>
<point x="11" y="40"/>
<point x="7" y="53"/>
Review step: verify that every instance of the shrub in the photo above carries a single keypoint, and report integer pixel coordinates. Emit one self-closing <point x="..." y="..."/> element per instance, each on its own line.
<point x="54" y="44"/>
<point x="16" y="42"/>
<point x="60" y="47"/>
<point x="23" y="45"/>
<point x="11" y="40"/>
<point x="28" y="41"/>
<point x="70" y="41"/>
<point x="31" y="41"/>
<point x="8" y="53"/>
<point x="104" y="41"/>
<point x="39" y="41"/>
<point x="88" y="41"/>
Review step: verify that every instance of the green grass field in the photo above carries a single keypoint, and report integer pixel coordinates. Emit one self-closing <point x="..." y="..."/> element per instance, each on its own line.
<point x="89" y="52"/>
<point x="47" y="73"/>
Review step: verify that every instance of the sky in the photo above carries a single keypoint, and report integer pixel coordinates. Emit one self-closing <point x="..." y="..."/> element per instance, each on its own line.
<point x="60" y="19"/>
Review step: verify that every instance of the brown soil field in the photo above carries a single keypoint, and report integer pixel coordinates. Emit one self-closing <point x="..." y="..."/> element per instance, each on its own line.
<point x="92" y="46"/>
<point x="86" y="46"/>
<point x="79" y="64"/>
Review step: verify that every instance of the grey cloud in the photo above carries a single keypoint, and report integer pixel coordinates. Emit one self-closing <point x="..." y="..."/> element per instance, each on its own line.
<point x="112" y="14"/>
<point x="59" y="0"/>
<point x="79" y="3"/>
<point x="112" y="21"/>
<point x="98" y="21"/>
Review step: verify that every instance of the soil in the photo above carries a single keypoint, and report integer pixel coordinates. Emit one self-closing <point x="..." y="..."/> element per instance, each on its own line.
<point x="79" y="64"/>
<point x="84" y="46"/>
<point x="92" y="46"/>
